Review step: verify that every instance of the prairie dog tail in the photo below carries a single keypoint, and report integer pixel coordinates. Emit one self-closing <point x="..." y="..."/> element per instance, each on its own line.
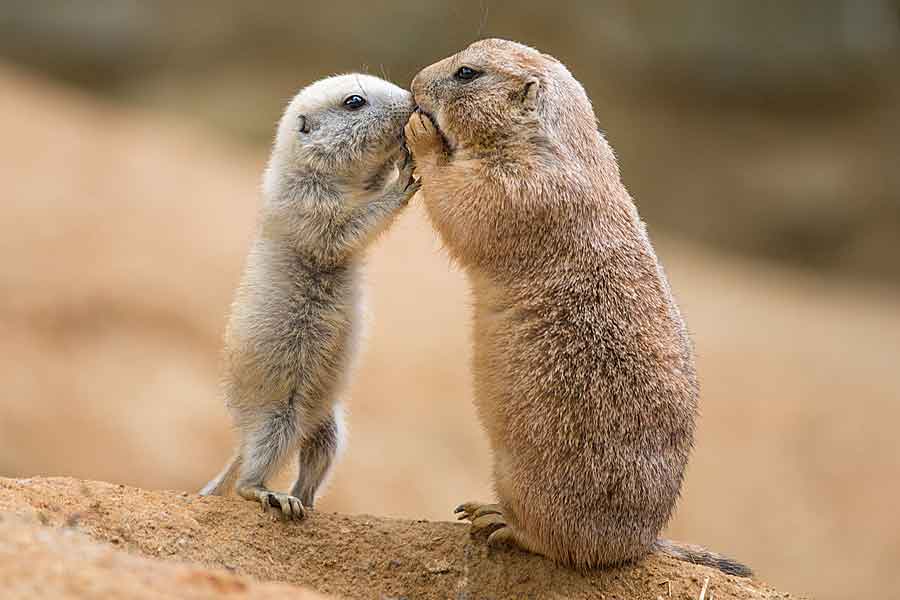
<point x="702" y="556"/>
<point x="224" y="482"/>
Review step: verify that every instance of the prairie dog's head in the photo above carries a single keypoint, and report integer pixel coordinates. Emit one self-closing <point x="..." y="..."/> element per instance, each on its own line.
<point x="346" y="126"/>
<point x="496" y="90"/>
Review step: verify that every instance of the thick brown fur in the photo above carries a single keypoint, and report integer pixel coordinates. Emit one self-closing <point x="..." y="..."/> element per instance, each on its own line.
<point x="584" y="374"/>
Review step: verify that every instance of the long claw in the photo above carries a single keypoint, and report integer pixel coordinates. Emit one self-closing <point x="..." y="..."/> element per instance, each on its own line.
<point x="489" y="522"/>
<point x="501" y="537"/>
<point x="473" y="510"/>
<point x="487" y="509"/>
<point x="407" y="158"/>
<point x="297" y="509"/>
<point x="468" y="507"/>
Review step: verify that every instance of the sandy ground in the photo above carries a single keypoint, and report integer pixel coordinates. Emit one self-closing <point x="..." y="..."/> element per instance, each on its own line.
<point x="39" y="562"/>
<point x="350" y="557"/>
<point x="121" y="240"/>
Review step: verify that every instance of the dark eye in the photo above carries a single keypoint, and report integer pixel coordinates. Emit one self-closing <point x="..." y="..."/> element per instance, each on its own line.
<point x="354" y="102"/>
<point x="466" y="73"/>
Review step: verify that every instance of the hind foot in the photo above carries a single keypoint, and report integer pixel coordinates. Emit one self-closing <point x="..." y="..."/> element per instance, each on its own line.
<point x="489" y="518"/>
<point x="278" y="505"/>
<point x="472" y="510"/>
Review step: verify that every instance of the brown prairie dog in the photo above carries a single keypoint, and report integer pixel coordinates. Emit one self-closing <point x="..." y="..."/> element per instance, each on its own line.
<point x="584" y="373"/>
<point x="338" y="175"/>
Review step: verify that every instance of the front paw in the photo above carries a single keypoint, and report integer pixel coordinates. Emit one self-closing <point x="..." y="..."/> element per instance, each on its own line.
<point x="405" y="185"/>
<point x="422" y="137"/>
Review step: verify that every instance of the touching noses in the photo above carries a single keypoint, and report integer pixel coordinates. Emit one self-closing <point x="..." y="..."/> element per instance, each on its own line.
<point x="401" y="98"/>
<point x="416" y="85"/>
<point x="407" y="101"/>
<point x="420" y="91"/>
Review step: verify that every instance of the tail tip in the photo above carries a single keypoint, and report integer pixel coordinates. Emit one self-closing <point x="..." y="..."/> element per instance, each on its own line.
<point x="730" y="566"/>
<point x="702" y="556"/>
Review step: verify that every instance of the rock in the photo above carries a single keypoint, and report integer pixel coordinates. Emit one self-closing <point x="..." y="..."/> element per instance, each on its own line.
<point x="232" y="544"/>
<point x="61" y="563"/>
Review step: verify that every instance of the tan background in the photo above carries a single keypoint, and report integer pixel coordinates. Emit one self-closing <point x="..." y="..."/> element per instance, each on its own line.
<point x="129" y="197"/>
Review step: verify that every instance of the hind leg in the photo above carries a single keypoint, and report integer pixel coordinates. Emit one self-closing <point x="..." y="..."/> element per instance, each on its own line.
<point x="317" y="453"/>
<point x="489" y="518"/>
<point x="268" y="442"/>
<point x="224" y="481"/>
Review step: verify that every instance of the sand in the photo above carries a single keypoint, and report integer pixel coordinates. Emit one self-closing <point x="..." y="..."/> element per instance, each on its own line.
<point x="148" y="544"/>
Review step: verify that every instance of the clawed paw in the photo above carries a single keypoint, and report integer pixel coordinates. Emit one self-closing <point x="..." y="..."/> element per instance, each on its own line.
<point x="484" y="517"/>
<point x="422" y="136"/>
<point x="489" y="519"/>
<point x="406" y="184"/>
<point x="278" y="505"/>
<point x="472" y="510"/>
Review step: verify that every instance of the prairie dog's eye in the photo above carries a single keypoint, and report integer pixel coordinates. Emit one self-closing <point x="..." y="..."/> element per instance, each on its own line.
<point x="303" y="124"/>
<point x="354" y="102"/>
<point x="466" y="73"/>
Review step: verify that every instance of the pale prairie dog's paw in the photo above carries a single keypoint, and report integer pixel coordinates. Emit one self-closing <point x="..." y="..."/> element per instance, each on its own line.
<point x="422" y="138"/>
<point x="283" y="506"/>
<point x="405" y="185"/>
<point x="276" y="504"/>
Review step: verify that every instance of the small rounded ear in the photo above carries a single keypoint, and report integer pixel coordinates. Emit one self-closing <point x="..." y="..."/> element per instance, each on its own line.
<point x="531" y="91"/>
<point x="303" y="124"/>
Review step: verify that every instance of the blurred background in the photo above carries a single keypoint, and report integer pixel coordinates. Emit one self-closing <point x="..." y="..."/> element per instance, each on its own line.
<point x="761" y="142"/>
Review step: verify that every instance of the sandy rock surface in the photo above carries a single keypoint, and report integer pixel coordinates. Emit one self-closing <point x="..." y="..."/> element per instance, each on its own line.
<point x="348" y="556"/>
<point x="63" y="563"/>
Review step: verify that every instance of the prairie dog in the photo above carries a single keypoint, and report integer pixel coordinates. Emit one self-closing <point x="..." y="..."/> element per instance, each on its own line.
<point x="584" y="373"/>
<point x="337" y="176"/>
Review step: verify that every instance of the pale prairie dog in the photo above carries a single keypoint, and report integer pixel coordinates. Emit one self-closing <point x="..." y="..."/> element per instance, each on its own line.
<point x="337" y="177"/>
<point x="584" y="374"/>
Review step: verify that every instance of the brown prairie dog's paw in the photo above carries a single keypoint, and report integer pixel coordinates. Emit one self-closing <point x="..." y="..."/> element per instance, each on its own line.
<point x="422" y="137"/>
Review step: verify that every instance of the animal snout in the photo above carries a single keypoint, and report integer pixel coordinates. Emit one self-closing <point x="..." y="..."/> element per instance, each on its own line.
<point x="402" y="103"/>
<point x="416" y="85"/>
<point x="419" y="88"/>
